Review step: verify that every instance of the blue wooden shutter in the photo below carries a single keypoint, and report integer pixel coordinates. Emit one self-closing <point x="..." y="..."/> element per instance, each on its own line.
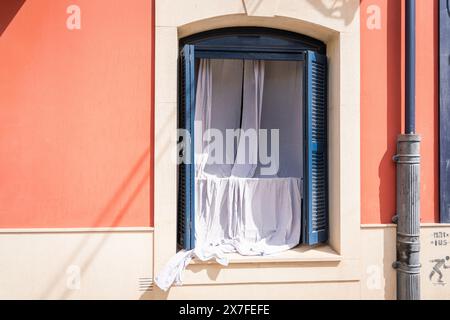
<point x="315" y="217"/>
<point x="444" y="109"/>
<point x="186" y="169"/>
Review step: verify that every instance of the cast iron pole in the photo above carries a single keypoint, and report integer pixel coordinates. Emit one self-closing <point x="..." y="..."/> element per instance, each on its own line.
<point x="408" y="178"/>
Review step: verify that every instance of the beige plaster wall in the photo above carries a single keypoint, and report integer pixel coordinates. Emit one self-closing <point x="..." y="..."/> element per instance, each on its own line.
<point x="272" y="291"/>
<point x="435" y="244"/>
<point x="75" y="264"/>
<point x="378" y="278"/>
<point x="118" y="264"/>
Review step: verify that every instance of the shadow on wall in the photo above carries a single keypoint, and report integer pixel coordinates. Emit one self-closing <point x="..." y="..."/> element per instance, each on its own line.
<point x="120" y="203"/>
<point x="8" y="10"/>
<point x="389" y="256"/>
<point x="335" y="9"/>
<point x="393" y="113"/>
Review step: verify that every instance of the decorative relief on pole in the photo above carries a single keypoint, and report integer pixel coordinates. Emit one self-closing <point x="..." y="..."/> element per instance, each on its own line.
<point x="261" y="8"/>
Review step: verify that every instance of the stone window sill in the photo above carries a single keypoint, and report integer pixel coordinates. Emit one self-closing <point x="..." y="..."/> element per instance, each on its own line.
<point x="301" y="253"/>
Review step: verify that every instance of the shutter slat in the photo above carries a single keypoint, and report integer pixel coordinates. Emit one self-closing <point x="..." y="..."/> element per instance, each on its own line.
<point x="315" y="228"/>
<point x="186" y="173"/>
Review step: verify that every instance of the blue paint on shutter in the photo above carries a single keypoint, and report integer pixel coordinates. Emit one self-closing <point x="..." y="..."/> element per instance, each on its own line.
<point x="186" y="169"/>
<point x="315" y="204"/>
<point x="444" y="109"/>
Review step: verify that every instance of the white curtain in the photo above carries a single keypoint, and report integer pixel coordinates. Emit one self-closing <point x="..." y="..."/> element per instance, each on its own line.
<point x="237" y="208"/>
<point x="218" y="107"/>
<point x="272" y="99"/>
<point x="247" y="154"/>
<point x="282" y="109"/>
<point x="203" y="112"/>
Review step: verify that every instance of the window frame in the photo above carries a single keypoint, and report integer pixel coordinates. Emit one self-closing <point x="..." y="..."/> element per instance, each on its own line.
<point x="279" y="45"/>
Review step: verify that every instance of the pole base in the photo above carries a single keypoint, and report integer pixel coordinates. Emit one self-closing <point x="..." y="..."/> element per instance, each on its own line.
<point x="408" y="217"/>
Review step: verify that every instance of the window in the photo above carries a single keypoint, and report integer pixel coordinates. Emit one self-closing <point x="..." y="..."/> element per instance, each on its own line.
<point x="264" y="51"/>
